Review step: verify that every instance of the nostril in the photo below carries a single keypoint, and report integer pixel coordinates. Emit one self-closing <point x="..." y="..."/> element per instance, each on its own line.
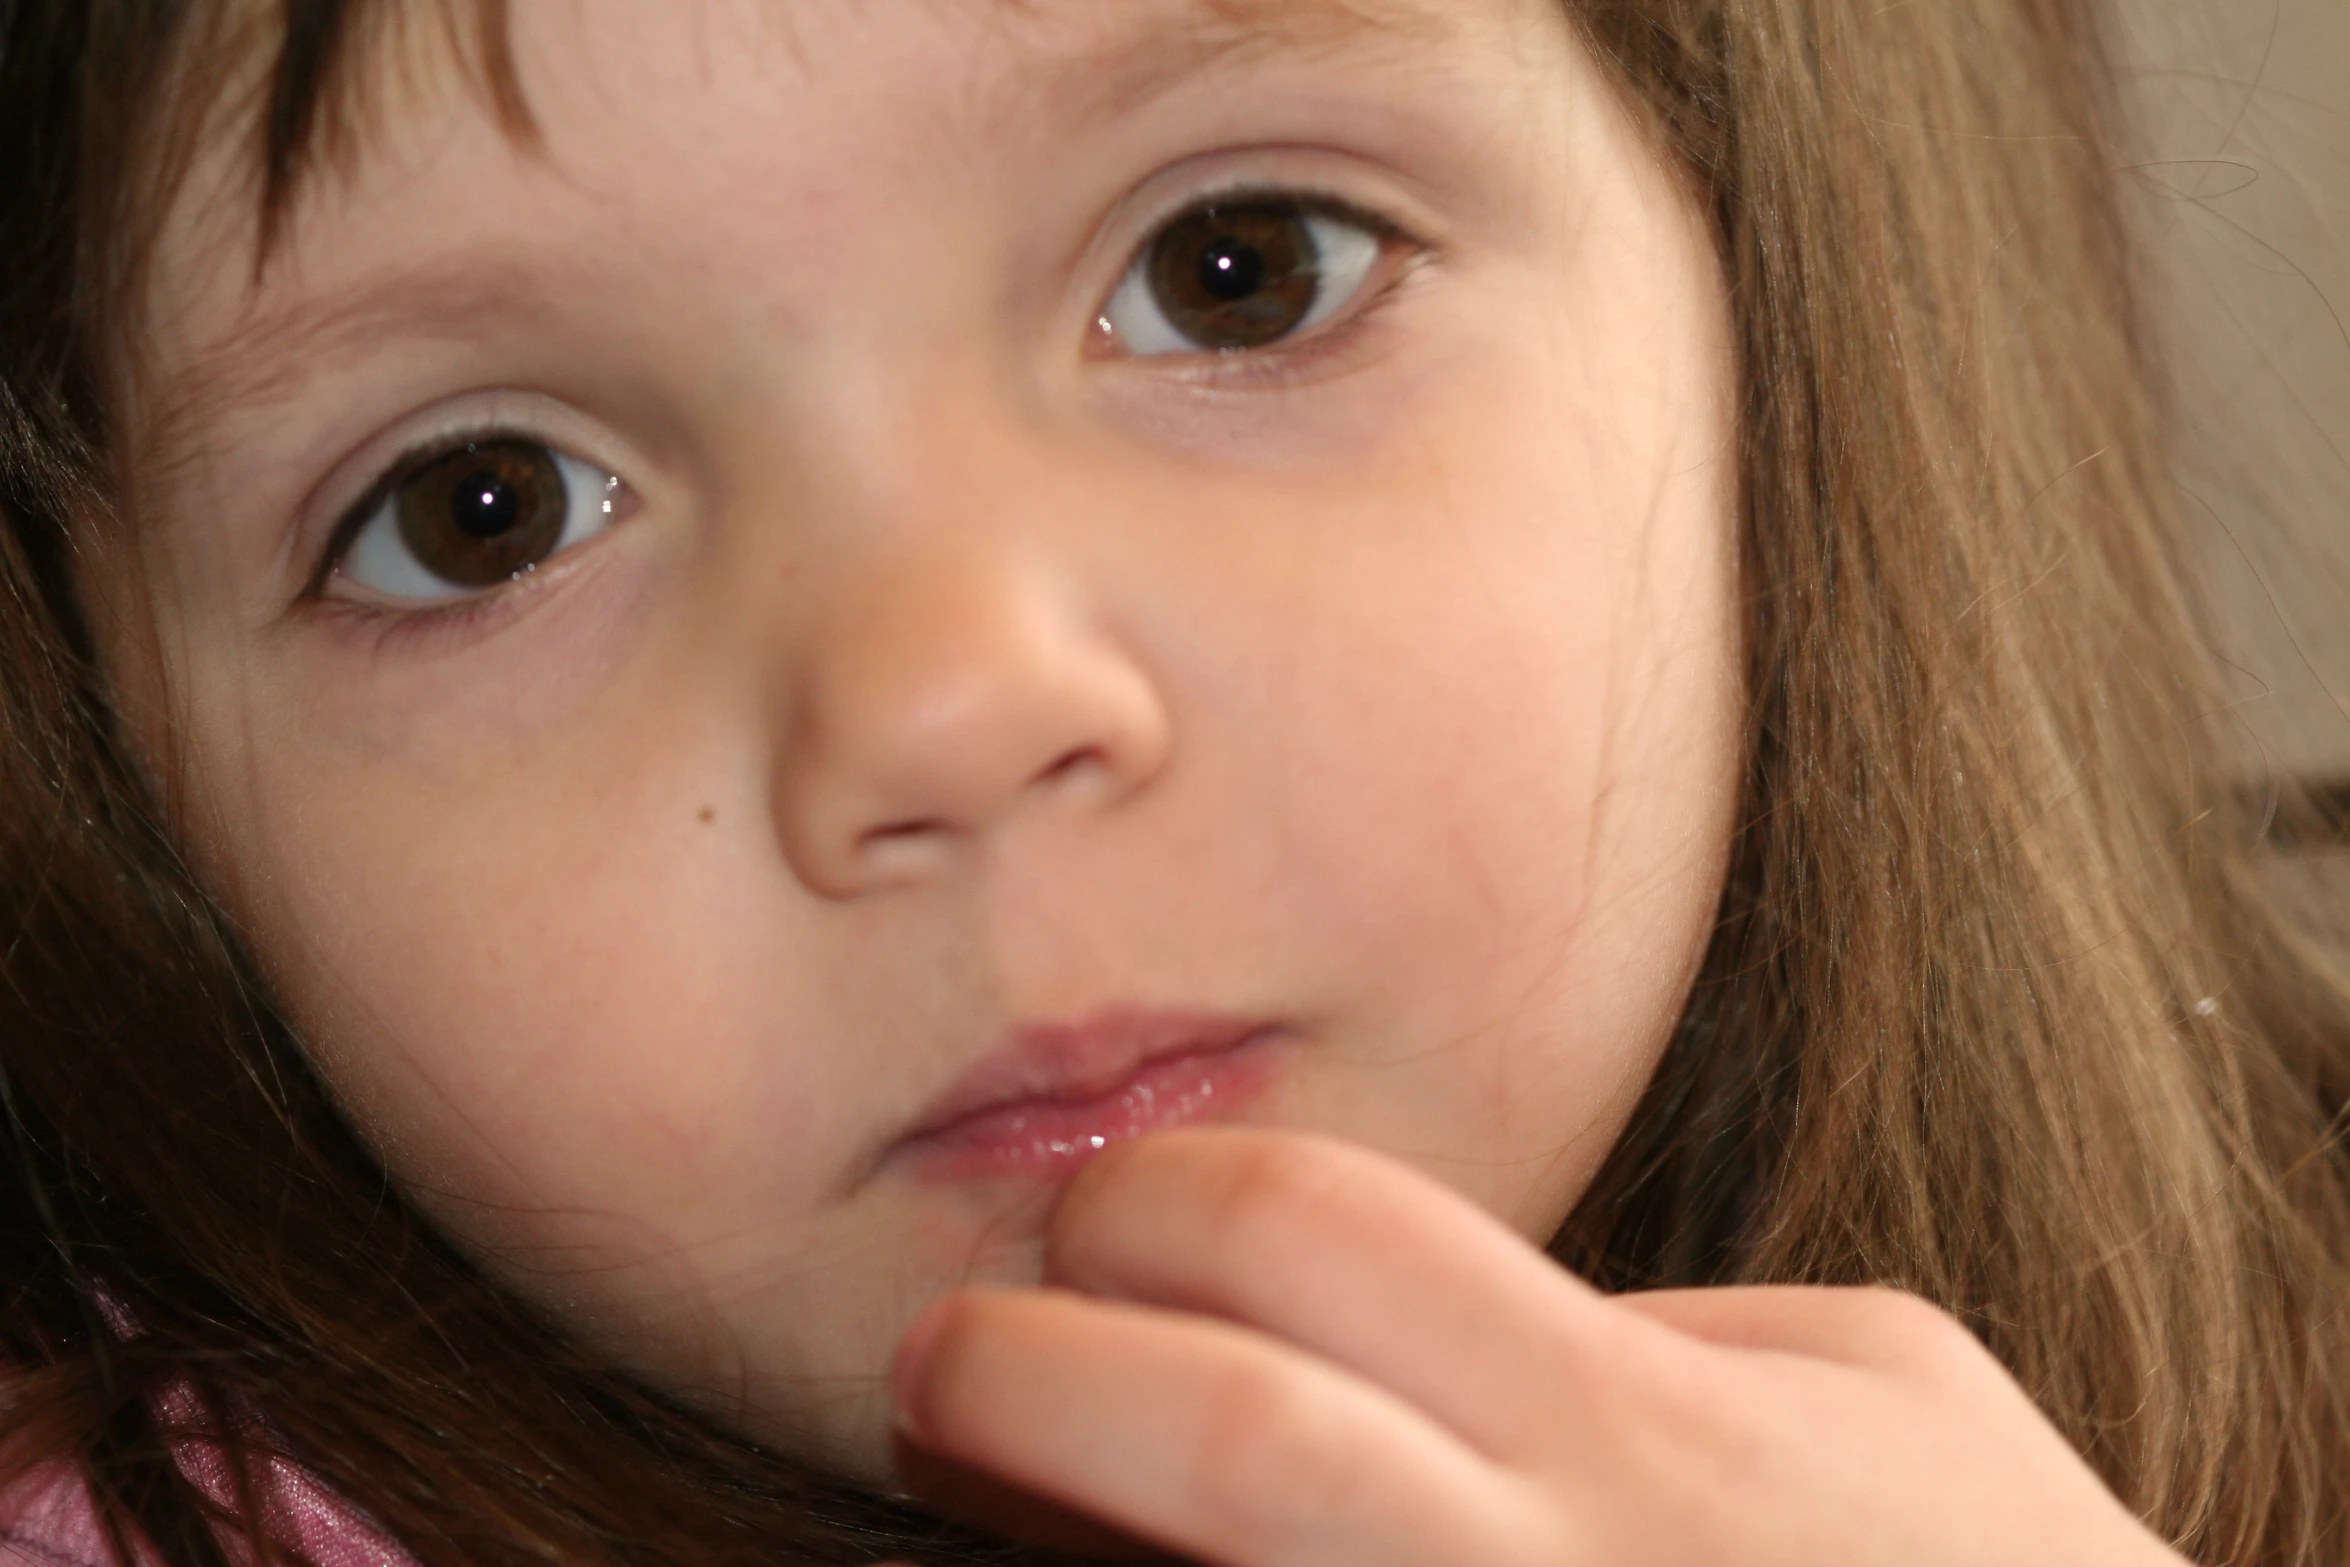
<point x="893" y="841"/>
<point x="1062" y="769"/>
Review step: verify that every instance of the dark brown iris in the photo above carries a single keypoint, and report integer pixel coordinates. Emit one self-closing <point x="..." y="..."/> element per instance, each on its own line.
<point x="484" y="512"/>
<point x="1236" y="276"/>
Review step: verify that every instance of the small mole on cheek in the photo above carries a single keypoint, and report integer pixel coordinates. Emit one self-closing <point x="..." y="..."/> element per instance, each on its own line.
<point x="709" y="815"/>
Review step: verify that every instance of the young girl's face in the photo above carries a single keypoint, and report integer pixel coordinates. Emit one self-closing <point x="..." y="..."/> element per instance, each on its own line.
<point x="922" y="588"/>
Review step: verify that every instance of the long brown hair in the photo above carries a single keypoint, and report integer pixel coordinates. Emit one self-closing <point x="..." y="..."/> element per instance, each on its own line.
<point x="2000" y="1009"/>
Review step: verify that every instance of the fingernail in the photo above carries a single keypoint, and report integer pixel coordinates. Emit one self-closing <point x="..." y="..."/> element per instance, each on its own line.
<point x="909" y="1374"/>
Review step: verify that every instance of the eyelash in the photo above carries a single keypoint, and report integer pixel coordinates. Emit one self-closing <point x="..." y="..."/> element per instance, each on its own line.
<point x="459" y="616"/>
<point x="457" y="619"/>
<point x="1282" y="362"/>
<point x="385" y="485"/>
<point x="1288" y="361"/>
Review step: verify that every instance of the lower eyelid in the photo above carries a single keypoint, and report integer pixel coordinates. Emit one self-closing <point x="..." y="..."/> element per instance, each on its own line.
<point x="595" y="499"/>
<point x="419" y="629"/>
<point x="1301" y="360"/>
<point x="1398" y="248"/>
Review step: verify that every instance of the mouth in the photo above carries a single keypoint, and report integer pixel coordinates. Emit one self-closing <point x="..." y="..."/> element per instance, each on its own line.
<point x="1057" y="1095"/>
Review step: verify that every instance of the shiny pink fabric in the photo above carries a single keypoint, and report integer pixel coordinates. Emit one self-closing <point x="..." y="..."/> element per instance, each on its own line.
<point x="49" y="1519"/>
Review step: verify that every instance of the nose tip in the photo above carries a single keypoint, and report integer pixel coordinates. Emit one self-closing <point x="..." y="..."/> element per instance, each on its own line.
<point x="895" y="851"/>
<point x="941" y="715"/>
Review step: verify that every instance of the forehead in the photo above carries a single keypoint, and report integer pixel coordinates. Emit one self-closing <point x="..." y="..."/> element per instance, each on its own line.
<point x="363" y="106"/>
<point x="327" y="74"/>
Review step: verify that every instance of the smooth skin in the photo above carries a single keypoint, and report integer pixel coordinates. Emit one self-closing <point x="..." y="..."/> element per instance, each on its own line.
<point x="1274" y="1350"/>
<point x="947" y="667"/>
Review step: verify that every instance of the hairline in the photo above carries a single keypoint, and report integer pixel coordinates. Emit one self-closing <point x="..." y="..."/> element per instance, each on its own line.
<point x="297" y="92"/>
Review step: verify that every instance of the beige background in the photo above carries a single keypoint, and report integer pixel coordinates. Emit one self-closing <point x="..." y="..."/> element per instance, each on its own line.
<point x="2243" y="110"/>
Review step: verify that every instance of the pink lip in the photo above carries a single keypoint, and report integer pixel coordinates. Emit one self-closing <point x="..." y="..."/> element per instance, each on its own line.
<point x="1058" y="1094"/>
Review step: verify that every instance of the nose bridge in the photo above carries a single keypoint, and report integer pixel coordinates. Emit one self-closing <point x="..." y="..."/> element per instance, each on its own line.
<point x="958" y="674"/>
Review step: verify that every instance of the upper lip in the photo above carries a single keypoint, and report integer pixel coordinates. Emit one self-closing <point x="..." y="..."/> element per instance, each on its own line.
<point x="1077" y="1061"/>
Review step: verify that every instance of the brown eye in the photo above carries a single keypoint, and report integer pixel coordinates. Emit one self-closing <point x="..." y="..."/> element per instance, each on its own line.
<point x="475" y="516"/>
<point x="484" y="512"/>
<point x="1239" y="275"/>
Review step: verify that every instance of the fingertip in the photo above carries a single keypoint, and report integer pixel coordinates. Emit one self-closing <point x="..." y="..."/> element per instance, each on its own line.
<point x="909" y="1373"/>
<point x="1121" y="1222"/>
<point x="1098" y="1174"/>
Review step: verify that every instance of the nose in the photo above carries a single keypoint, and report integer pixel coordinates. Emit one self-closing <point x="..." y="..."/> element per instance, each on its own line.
<point x="942" y="703"/>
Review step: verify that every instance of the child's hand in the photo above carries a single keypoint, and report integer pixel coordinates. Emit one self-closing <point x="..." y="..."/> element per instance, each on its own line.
<point x="1269" y="1350"/>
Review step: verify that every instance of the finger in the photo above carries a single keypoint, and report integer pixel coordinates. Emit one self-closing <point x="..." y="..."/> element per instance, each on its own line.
<point x="1353" y="1257"/>
<point x="1868" y="1328"/>
<point x="1210" y="1440"/>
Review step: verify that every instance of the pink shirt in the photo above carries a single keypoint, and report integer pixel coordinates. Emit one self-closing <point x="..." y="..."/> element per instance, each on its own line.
<point x="50" y="1518"/>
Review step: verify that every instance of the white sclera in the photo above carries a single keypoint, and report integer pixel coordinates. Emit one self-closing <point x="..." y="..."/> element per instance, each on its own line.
<point x="379" y="560"/>
<point x="1344" y="254"/>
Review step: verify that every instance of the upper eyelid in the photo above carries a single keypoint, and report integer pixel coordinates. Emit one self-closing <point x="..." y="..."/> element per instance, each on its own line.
<point x="401" y="468"/>
<point x="1134" y="234"/>
<point x="1387" y="229"/>
<point x="505" y="414"/>
<point x="1307" y="194"/>
<point x="1312" y="197"/>
<point x="1400" y="213"/>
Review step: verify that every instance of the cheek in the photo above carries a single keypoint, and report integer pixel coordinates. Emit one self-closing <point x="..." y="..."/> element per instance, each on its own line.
<point x="1502" y="763"/>
<point x="539" y="992"/>
<point x="1530" y="679"/>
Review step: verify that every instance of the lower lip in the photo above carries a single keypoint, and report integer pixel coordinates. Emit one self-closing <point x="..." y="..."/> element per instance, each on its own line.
<point x="1049" y="1139"/>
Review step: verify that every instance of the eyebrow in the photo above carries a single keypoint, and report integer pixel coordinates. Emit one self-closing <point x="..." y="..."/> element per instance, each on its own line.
<point x="1135" y="67"/>
<point x="266" y="354"/>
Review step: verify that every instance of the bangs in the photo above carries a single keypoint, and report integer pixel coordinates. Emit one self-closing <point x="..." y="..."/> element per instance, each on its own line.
<point x="315" y="108"/>
<point x="297" y="81"/>
<point x="106" y="107"/>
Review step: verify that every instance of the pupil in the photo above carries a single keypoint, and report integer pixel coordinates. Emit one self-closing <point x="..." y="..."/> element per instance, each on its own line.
<point x="483" y="505"/>
<point x="1236" y="277"/>
<point x="1231" y="269"/>
<point x="485" y="512"/>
